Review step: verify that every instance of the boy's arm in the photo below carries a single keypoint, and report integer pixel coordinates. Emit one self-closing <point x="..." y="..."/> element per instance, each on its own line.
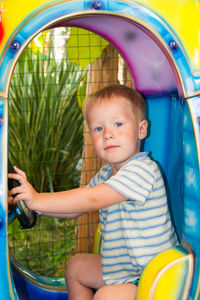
<point x="74" y="202"/>
<point x="78" y="200"/>
<point x="62" y="216"/>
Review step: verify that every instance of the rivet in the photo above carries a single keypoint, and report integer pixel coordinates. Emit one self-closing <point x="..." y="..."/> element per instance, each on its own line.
<point x="173" y="46"/>
<point x="1" y="120"/>
<point x="14" y="47"/>
<point x="97" y="5"/>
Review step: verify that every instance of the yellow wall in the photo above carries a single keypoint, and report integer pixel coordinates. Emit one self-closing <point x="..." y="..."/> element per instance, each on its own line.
<point x="182" y="15"/>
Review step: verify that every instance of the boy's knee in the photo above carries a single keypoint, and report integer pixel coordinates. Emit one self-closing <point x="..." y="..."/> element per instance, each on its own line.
<point x="119" y="291"/>
<point x="72" y="267"/>
<point x="104" y="293"/>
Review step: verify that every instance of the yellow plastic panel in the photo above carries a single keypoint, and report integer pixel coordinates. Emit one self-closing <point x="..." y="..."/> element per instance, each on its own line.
<point x="13" y="12"/>
<point x="183" y="16"/>
<point x="167" y="277"/>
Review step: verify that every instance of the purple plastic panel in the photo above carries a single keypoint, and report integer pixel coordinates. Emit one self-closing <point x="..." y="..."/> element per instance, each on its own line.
<point x="151" y="71"/>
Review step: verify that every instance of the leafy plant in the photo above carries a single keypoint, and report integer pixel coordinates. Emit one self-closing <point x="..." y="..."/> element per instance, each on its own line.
<point x="45" y="122"/>
<point x="45" y="140"/>
<point x="46" y="247"/>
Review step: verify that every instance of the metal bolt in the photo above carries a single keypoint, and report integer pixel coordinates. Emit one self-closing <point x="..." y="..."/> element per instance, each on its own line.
<point x="97" y="5"/>
<point x="14" y="47"/>
<point x="1" y="120"/>
<point x="173" y="45"/>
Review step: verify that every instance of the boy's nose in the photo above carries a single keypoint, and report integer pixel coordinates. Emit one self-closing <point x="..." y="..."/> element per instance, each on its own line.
<point x="108" y="133"/>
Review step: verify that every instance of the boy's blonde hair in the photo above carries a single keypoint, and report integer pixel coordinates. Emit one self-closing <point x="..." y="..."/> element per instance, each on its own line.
<point x="116" y="90"/>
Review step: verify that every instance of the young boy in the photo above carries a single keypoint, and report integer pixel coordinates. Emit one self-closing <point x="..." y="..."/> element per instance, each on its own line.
<point x="128" y="191"/>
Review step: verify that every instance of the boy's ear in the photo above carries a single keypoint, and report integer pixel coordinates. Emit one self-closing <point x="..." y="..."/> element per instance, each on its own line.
<point x="143" y="129"/>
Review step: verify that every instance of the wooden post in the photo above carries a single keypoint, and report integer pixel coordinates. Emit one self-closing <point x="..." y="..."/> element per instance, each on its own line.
<point x="102" y="72"/>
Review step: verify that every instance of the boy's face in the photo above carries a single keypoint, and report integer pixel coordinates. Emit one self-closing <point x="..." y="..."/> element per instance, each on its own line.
<point x="115" y="130"/>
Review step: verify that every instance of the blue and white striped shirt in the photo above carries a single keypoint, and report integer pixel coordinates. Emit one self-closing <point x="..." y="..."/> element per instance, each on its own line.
<point x="137" y="229"/>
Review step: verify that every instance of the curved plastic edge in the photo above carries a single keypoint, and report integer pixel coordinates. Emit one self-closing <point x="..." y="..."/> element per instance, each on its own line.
<point x="52" y="283"/>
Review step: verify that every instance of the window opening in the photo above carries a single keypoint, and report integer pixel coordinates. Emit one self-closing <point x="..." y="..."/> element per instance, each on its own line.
<point x="49" y="140"/>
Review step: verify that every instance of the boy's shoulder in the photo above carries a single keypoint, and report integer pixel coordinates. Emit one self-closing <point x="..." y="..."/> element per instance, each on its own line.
<point x="142" y="161"/>
<point x="141" y="158"/>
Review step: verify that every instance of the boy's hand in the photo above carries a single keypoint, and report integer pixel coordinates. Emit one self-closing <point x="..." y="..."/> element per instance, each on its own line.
<point x="24" y="191"/>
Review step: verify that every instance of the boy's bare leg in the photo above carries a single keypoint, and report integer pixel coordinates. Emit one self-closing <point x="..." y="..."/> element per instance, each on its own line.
<point x="126" y="291"/>
<point x="83" y="274"/>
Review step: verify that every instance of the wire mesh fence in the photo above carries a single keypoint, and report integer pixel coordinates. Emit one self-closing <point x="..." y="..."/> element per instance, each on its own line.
<point x="49" y="140"/>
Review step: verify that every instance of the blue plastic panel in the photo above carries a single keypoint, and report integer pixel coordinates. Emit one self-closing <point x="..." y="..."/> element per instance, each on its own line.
<point x="166" y="147"/>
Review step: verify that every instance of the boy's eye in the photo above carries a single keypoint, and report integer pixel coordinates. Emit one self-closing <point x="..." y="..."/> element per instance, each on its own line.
<point x="99" y="128"/>
<point x="118" y="124"/>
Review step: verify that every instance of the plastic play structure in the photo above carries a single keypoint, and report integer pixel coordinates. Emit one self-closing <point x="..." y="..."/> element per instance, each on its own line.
<point x="159" y="40"/>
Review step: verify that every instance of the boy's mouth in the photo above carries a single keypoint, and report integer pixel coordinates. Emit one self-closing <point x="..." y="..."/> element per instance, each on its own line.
<point x="110" y="147"/>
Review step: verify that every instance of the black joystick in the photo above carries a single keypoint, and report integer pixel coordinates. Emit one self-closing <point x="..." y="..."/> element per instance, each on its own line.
<point x="27" y="218"/>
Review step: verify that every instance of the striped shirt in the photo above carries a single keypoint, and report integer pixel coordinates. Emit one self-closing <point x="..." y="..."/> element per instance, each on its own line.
<point x="137" y="229"/>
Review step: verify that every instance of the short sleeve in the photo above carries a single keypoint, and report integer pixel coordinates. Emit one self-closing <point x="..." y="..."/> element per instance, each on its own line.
<point x="103" y="174"/>
<point x="135" y="180"/>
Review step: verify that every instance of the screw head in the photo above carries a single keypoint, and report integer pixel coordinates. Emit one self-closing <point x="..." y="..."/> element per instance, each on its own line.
<point x="97" y="5"/>
<point x="173" y="46"/>
<point x="1" y="120"/>
<point x="14" y="47"/>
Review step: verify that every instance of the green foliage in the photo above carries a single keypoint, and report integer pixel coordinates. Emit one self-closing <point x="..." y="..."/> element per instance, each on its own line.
<point x="45" y="140"/>
<point x="45" y="122"/>
<point x="46" y="247"/>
